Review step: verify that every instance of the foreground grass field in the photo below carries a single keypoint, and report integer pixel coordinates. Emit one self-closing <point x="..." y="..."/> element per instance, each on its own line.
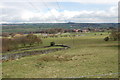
<point x="88" y="55"/>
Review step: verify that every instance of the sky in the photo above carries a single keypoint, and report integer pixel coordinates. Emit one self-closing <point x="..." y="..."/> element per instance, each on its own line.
<point x="58" y="11"/>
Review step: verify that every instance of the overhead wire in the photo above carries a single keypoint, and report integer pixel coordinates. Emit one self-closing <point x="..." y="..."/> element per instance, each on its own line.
<point x="35" y="8"/>
<point x="49" y="10"/>
<point x="58" y="4"/>
<point x="37" y="11"/>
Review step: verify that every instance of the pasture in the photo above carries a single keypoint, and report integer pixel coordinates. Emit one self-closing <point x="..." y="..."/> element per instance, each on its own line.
<point x="89" y="55"/>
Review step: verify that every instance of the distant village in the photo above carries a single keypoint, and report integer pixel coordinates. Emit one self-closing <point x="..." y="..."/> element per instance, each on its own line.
<point x="56" y="31"/>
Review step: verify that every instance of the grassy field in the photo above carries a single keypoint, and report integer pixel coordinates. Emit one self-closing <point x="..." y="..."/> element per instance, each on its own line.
<point x="88" y="55"/>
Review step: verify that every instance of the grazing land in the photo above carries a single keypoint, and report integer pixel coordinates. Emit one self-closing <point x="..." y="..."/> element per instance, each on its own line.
<point x="89" y="55"/>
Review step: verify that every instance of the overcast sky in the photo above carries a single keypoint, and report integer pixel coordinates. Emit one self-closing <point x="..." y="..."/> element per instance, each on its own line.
<point x="57" y="11"/>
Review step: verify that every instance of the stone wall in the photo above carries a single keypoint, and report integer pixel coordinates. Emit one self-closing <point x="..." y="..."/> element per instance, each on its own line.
<point x="19" y="55"/>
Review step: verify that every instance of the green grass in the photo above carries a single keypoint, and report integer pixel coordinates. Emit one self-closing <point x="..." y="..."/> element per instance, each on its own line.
<point x="88" y="55"/>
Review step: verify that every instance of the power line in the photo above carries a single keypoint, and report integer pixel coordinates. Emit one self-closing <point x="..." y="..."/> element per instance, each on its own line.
<point x="60" y="9"/>
<point x="37" y="10"/>
<point x="58" y="5"/>
<point x="35" y="7"/>
<point x="49" y="9"/>
<point x="32" y="5"/>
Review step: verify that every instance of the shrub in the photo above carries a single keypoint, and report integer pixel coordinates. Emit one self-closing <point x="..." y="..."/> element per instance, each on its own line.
<point x="21" y="40"/>
<point x="106" y="38"/>
<point x="5" y="34"/>
<point x="8" y="44"/>
<point x="115" y="35"/>
<point x="12" y="34"/>
<point x="32" y="39"/>
<point x="52" y="44"/>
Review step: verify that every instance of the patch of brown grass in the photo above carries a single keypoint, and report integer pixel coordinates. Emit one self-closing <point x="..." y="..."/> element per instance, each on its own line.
<point x="57" y="58"/>
<point x="61" y="57"/>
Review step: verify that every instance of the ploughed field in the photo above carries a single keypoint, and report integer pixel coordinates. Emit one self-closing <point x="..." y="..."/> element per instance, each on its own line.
<point x="89" y="55"/>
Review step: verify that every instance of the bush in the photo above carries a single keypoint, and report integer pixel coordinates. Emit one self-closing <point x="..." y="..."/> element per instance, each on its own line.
<point x="52" y="44"/>
<point x="5" y="35"/>
<point x="21" y="40"/>
<point x="115" y="35"/>
<point x="32" y="39"/>
<point x="106" y="38"/>
<point x="8" y="44"/>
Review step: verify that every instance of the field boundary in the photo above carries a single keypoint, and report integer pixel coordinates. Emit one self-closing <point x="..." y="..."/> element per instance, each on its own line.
<point x="28" y="53"/>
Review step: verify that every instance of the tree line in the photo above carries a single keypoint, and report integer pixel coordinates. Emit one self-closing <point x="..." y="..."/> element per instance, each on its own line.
<point x="9" y="44"/>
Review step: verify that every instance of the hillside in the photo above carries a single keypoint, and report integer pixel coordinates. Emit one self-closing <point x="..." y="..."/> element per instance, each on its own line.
<point x="31" y="27"/>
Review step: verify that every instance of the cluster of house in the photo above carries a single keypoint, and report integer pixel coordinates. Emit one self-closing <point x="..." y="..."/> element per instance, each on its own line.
<point x="88" y="30"/>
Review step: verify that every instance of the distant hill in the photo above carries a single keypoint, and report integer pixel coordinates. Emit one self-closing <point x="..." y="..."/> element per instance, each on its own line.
<point x="27" y="27"/>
